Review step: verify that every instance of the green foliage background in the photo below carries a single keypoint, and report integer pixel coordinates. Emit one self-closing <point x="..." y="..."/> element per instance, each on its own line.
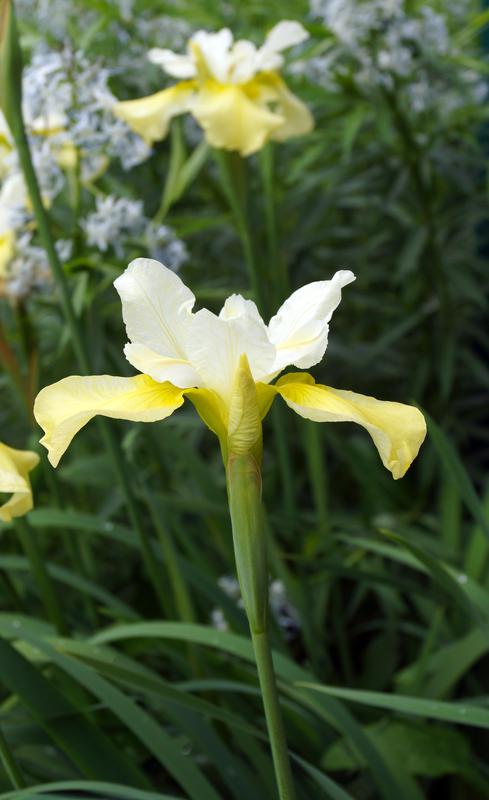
<point x="384" y="679"/>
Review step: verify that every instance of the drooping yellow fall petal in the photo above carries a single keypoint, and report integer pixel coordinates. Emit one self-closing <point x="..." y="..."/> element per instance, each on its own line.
<point x="234" y="119"/>
<point x="397" y="430"/>
<point x="150" y="116"/>
<point x="63" y="408"/>
<point x="15" y="466"/>
<point x="297" y="119"/>
<point x="211" y="409"/>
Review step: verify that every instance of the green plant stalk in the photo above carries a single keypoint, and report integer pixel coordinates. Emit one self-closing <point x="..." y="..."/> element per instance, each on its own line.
<point x="17" y="128"/>
<point x="317" y="474"/>
<point x="8" y="762"/>
<point x="286" y="476"/>
<point x="181" y="595"/>
<point x="176" y="162"/>
<point x="276" y="259"/>
<point x="237" y="204"/>
<point x="281" y="284"/>
<point x="247" y="519"/>
<point x="40" y="573"/>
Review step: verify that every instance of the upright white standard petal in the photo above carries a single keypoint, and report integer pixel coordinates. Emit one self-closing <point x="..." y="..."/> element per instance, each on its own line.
<point x="282" y="36"/>
<point x="156" y="308"/>
<point x="214" y="48"/>
<point x="216" y="344"/>
<point x="299" y="330"/>
<point x="243" y="61"/>
<point x="174" y="64"/>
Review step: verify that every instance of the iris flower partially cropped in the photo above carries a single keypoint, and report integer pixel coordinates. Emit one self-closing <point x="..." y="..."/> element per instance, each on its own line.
<point x="15" y="466"/>
<point x="233" y="89"/>
<point x="204" y="357"/>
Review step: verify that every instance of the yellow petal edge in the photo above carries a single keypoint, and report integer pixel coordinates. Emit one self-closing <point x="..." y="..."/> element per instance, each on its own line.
<point x="397" y="430"/>
<point x="15" y="466"/>
<point x="63" y="408"/>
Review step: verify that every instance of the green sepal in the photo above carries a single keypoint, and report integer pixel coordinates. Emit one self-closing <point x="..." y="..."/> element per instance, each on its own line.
<point x="244" y="423"/>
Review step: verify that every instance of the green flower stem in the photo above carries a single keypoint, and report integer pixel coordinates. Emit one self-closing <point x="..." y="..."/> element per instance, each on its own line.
<point x="247" y="518"/>
<point x="317" y="473"/>
<point x="279" y="422"/>
<point x="181" y="595"/>
<point x="8" y="762"/>
<point x="47" y="240"/>
<point x="281" y="283"/>
<point x="231" y="169"/>
<point x="17" y="128"/>
<point x="279" y="275"/>
<point x="45" y="585"/>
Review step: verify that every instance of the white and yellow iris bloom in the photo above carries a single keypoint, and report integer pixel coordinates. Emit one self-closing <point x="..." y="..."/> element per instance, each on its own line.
<point x="233" y="89"/>
<point x="15" y="466"/>
<point x="225" y="365"/>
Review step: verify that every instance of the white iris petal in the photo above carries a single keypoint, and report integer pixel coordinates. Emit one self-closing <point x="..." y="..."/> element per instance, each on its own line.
<point x="299" y="330"/>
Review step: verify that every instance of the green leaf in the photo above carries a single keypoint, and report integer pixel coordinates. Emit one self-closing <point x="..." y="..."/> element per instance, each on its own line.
<point x="98" y="789"/>
<point x="163" y="748"/>
<point x="450" y="459"/>
<point x="84" y="744"/>
<point x="288" y="674"/>
<point x="330" y="788"/>
<point x="450" y="663"/>
<point x="420" y="749"/>
<point x="75" y="581"/>
<point x="463" y="712"/>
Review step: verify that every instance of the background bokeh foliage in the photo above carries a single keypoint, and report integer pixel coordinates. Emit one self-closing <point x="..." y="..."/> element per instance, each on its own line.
<point x="382" y="589"/>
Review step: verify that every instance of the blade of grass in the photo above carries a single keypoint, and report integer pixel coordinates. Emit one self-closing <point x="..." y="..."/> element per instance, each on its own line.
<point x="83" y="743"/>
<point x="462" y="713"/>
<point x="288" y="673"/>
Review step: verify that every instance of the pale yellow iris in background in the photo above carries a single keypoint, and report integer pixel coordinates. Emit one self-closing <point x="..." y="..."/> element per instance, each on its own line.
<point x="202" y="356"/>
<point x="13" y="199"/>
<point x="233" y="89"/>
<point x="15" y="466"/>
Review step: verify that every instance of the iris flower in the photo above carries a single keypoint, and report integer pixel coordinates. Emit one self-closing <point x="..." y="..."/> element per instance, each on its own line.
<point x="233" y="89"/>
<point x="225" y="366"/>
<point x="15" y="466"/>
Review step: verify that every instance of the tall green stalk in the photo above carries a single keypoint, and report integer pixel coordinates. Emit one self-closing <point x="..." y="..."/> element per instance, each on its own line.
<point x="231" y="167"/>
<point x="278" y="264"/>
<point x="245" y="506"/>
<point x="11" y="103"/>
<point x="279" y="279"/>
<point x="231" y="172"/>
<point x="40" y="573"/>
<point x="8" y="762"/>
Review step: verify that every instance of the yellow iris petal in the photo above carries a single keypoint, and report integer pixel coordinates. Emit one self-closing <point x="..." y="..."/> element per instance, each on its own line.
<point x="6" y="251"/>
<point x="233" y="118"/>
<point x="297" y="120"/>
<point x="237" y="425"/>
<point x="15" y="466"/>
<point x="63" y="408"/>
<point x="150" y="117"/>
<point x="211" y="409"/>
<point x="397" y="430"/>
